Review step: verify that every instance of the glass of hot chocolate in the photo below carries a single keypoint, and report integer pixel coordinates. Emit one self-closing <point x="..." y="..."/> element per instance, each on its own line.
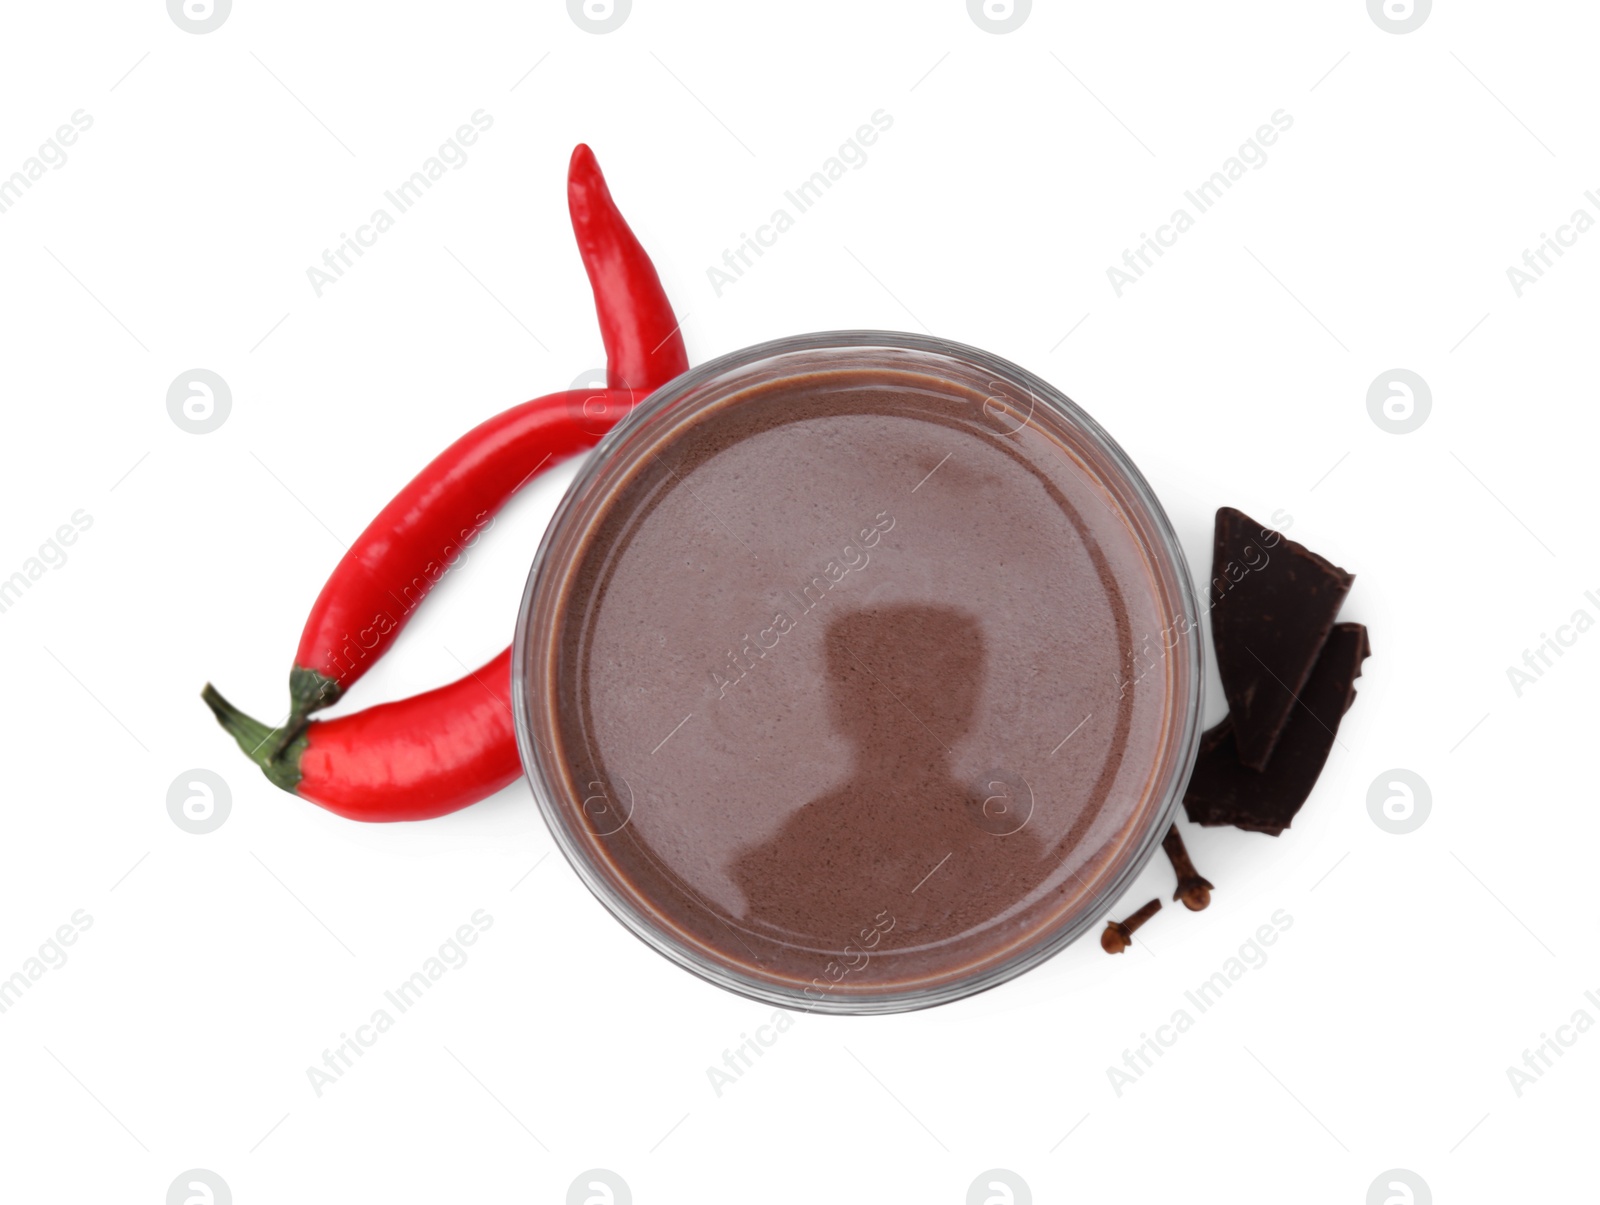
<point x="858" y="672"/>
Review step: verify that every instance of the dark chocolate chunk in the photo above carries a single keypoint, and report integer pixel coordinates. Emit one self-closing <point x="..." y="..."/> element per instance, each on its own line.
<point x="1272" y="604"/>
<point x="1223" y="790"/>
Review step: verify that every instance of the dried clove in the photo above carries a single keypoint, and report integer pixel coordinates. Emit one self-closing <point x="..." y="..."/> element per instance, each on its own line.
<point x="1119" y="933"/>
<point x="1193" y="890"/>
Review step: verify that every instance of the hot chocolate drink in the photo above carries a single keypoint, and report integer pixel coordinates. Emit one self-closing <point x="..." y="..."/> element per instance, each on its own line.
<point x="861" y="681"/>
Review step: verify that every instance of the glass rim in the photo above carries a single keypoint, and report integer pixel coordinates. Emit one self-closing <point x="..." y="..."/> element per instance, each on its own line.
<point x="1052" y="940"/>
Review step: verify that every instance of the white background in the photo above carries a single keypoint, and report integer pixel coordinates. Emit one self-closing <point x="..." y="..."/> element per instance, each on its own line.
<point x="1019" y="166"/>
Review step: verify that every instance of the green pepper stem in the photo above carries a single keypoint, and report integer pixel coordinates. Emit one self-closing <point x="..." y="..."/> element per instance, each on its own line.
<point x="277" y="751"/>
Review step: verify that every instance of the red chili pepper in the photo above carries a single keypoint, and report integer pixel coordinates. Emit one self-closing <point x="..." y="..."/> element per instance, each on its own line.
<point x="440" y="751"/>
<point x="387" y="572"/>
<point x="409" y="760"/>
<point x="413" y="540"/>
<point x="644" y="347"/>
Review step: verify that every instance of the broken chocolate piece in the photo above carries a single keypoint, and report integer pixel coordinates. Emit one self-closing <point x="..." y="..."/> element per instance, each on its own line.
<point x="1223" y="790"/>
<point x="1272" y="604"/>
